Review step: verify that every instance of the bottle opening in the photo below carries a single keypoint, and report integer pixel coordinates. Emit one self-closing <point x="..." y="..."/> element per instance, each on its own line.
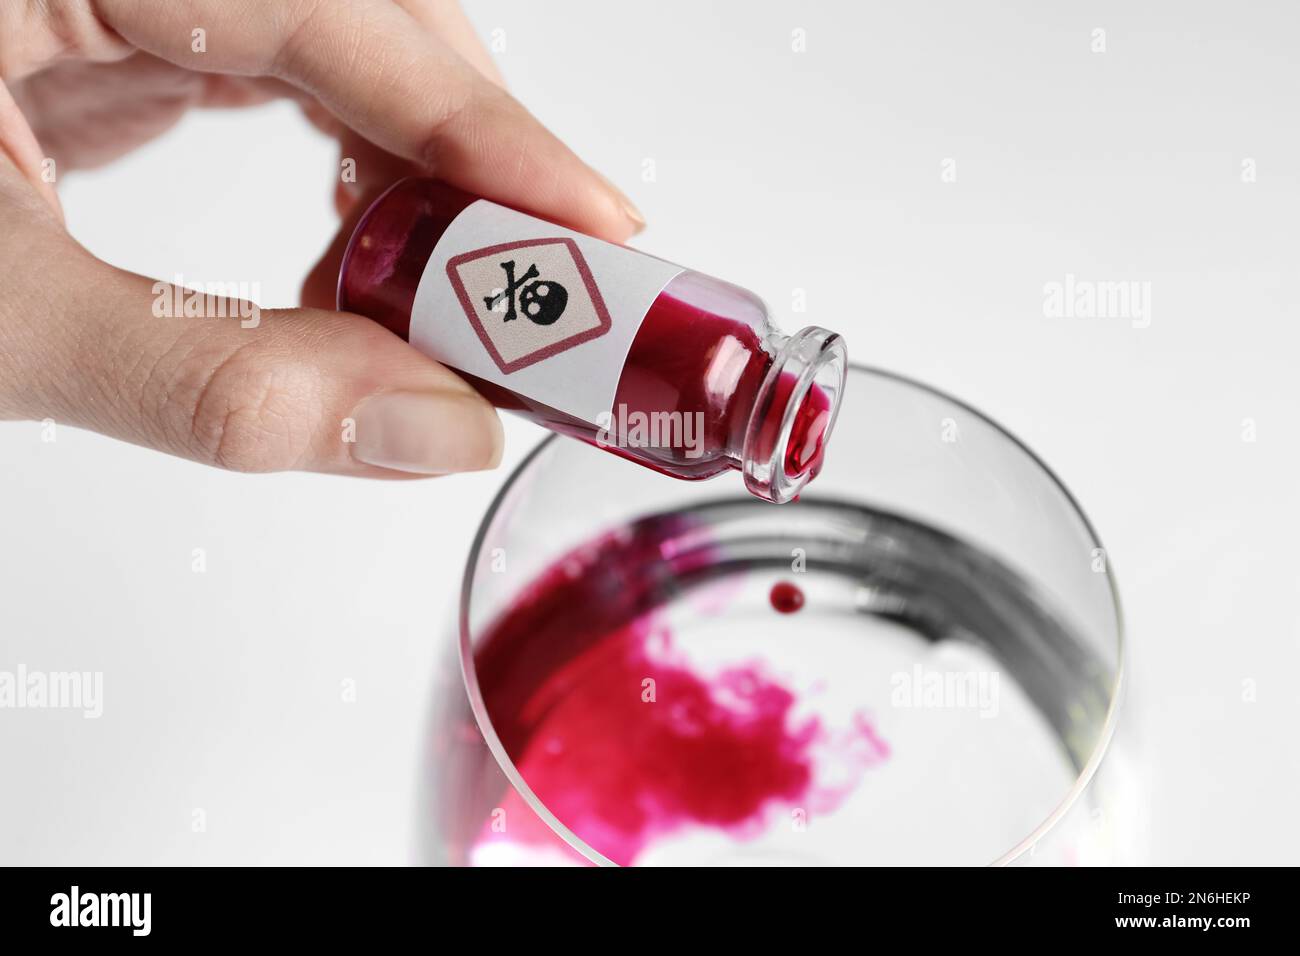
<point x="785" y="441"/>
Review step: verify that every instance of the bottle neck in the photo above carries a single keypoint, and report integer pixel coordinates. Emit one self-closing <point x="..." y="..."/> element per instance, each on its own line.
<point x="793" y="413"/>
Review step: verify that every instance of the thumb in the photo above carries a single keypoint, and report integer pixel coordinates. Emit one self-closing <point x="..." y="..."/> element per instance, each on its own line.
<point x="217" y="380"/>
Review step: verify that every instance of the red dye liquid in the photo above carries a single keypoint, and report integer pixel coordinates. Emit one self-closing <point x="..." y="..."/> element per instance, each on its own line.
<point x="684" y="358"/>
<point x="629" y="748"/>
<point x="617" y="735"/>
<point x="786" y="598"/>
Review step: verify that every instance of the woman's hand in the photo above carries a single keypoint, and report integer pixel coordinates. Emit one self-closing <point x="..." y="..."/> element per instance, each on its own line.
<point x="405" y="86"/>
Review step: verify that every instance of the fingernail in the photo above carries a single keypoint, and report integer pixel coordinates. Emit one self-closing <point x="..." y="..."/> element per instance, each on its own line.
<point x="634" y="214"/>
<point x="433" y="433"/>
<point x="628" y="207"/>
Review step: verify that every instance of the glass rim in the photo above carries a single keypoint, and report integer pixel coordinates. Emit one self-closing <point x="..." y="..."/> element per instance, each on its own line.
<point x="470" y="679"/>
<point x="812" y="356"/>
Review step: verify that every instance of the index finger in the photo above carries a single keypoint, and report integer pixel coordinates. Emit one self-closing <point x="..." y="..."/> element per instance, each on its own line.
<point x="374" y="66"/>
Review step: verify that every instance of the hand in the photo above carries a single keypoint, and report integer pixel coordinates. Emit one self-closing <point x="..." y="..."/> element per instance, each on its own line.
<point x="405" y="86"/>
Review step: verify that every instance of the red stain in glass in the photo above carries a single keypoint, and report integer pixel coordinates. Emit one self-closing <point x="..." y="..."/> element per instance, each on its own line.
<point x="620" y="737"/>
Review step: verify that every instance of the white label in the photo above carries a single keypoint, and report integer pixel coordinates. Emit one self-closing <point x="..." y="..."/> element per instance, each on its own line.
<point x="542" y="310"/>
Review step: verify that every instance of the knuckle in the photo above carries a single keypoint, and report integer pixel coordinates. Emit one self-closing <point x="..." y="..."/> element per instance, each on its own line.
<point x="255" y="413"/>
<point x="297" y="31"/>
<point x="69" y="29"/>
<point x="454" y="105"/>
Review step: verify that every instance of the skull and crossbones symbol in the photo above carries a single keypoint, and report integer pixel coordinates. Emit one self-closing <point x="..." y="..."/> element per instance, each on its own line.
<point x="541" y="301"/>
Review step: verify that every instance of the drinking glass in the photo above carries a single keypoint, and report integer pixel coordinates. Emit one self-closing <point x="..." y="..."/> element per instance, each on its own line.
<point x="917" y="662"/>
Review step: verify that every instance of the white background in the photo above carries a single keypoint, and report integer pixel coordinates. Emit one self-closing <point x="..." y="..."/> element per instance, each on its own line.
<point x="777" y="170"/>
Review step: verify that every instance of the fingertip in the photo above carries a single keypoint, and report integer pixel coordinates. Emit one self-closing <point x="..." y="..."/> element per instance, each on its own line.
<point x="627" y="216"/>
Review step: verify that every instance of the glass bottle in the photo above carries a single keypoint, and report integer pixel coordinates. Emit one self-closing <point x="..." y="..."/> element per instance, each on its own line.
<point x="697" y="380"/>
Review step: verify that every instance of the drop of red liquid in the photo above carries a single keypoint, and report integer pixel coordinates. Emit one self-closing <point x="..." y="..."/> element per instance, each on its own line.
<point x="786" y="597"/>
